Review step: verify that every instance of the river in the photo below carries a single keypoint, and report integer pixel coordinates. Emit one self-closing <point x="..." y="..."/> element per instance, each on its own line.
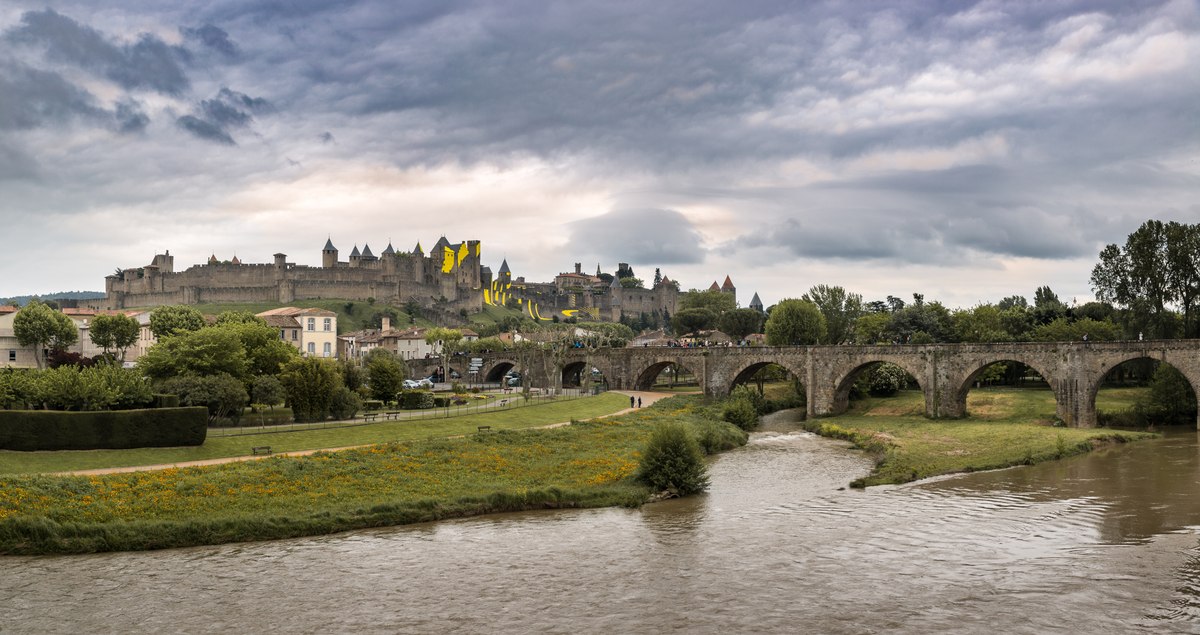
<point x="1100" y="543"/>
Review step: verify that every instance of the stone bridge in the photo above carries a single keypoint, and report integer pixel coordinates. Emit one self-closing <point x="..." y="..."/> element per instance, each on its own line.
<point x="945" y="372"/>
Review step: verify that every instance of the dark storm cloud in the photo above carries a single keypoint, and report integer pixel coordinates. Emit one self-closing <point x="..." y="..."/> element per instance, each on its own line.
<point x="31" y="98"/>
<point x="205" y="130"/>
<point x="215" y="117"/>
<point x="212" y="37"/>
<point x="148" y="63"/>
<point x="638" y="236"/>
<point x="131" y="118"/>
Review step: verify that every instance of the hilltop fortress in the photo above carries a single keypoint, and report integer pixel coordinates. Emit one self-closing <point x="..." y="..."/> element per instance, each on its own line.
<point x="450" y="279"/>
<point x="450" y="275"/>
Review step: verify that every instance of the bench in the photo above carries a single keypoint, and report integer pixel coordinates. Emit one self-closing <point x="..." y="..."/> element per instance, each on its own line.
<point x="485" y="428"/>
<point x="260" y="449"/>
<point x="391" y="415"/>
<point x="501" y="403"/>
<point x="370" y="416"/>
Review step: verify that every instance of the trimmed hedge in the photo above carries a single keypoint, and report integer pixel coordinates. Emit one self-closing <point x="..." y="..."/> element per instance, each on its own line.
<point x="416" y="400"/>
<point x="30" y="430"/>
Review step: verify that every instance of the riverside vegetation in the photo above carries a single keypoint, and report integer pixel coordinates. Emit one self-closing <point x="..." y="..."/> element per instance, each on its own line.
<point x="586" y="464"/>
<point x="1006" y="427"/>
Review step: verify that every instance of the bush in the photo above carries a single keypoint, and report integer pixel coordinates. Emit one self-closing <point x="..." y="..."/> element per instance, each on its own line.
<point x="673" y="462"/>
<point x="416" y="399"/>
<point x="741" y="413"/>
<point x="223" y="395"/>
<point x="30" y="430"/>
<point x="310" y="383"/>
<point x="717" y="436"/>
<point x="266" y="389"/>
<point x="372" y="404"/>
<point x="345" y="404"/>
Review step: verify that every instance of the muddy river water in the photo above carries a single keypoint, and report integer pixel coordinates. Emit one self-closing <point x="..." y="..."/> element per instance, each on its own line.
<point x="1101" y="543"/>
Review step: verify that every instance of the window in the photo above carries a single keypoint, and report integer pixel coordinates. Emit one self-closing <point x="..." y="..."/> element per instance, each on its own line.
<point x="312" y="324"/>
<point x="283" y="334"/>
<point x="328" y="324"/>
<point x="295" y="334"/>
<point x="328" y="350"/>
<point x="312" y="348"/>
<point x="12" y="355"/>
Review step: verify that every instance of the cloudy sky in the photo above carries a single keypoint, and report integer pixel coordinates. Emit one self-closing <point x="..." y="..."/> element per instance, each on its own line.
<point x="966" y="151"/>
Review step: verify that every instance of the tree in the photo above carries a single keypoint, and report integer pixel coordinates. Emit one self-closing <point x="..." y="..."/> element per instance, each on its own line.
<point x="692" y="320"/>
<point x="1063" y="330"/>
<point x="739" y="323"/>
<point x="41" y="327"/>
<point x="794" y="322"/>
<point x="447" y="341"/>
<point x="625" y="271"/>
<point x="265" y="352"/>
<point x="174" y="319"/>
<point x="716" y="301"/>
<point x="208" y="351"/>
<point x="385" y="374"/>
<point x="266" y="390"/>
<point x="114" y="332"/>
<point x="1011" y="301"/>
<point x="871" y="328"/>
<point x="310" y="384"/>
<point x="1137" y="276"/>
<point x="673" y="461"/>
<point x="1046" y="306"/>
<point x="921" y="323"/>
<point x="840" y="309"/>
<point x="657" y="277"/>
<point x="632" y="283"/>
<point x="223" y="395"/>
<point x="239" y="317"/>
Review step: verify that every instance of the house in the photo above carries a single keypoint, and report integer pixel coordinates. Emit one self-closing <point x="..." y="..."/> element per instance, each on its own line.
<point x="312" y="331"/>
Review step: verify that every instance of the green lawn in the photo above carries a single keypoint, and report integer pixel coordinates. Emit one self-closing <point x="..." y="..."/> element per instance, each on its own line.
<point x="219" y="447"/>
<point x="1005" y="427"/>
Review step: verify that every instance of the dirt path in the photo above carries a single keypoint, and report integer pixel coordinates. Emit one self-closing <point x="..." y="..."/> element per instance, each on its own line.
<point x="646" y="397"/>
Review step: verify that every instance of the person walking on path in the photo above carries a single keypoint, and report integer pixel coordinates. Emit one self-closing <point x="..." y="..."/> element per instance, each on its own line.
<point x="630" y="401"/>
<point x="639" y="402"/>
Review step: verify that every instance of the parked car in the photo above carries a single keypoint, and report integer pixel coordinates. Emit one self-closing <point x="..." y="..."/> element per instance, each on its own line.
<point x="426" y="382"/>
<point x="411" y="384"/>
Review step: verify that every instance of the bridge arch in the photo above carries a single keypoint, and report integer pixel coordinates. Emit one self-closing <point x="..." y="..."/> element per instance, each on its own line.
<point x="1185" y="366"/>
<point x="747" y="371"/>
<point x="844" y="381"/>
<point x="496" y="372"/>
<point x="649" y="373"/>
<point x="961" y="383"/>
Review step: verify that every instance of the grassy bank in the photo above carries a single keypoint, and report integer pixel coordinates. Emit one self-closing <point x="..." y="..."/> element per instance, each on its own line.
<point x="586" y="464"/>
<point x="220" y="447"/>
<point x="1006" y="427"/>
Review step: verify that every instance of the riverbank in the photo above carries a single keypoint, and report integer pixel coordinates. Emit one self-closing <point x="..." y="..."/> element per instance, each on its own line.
<point x="585" y="464"/>
<point x="1007" y="427"/>
<point x="335" y="435"/>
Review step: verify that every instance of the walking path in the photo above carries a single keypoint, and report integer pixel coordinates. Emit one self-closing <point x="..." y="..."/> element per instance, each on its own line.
<point x="646" y="397"/>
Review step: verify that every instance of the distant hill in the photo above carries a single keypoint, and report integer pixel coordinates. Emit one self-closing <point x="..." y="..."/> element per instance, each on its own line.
<point x="22" y="300"/>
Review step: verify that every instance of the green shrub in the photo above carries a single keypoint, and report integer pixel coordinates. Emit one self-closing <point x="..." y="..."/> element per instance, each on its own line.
<point x="416" y="399"/>
<point x="673" y="461"/>
<point x="30" y="430"/>
<point x="717" y="436"/>
<point x="741" y="413"/>
<point x="166" y="400"/>
<point x="224" y="395"/>
<point x="372" y="404"/>
<point x="345" y="404"/>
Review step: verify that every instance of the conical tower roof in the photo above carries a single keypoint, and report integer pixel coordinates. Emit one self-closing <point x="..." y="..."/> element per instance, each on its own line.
<point x="367" y="251"/>
<point x="728" y="284"/>
<point x="418" y="251"/>
<point x="715" y="286"/>
<point x="504" y="267"/>
<point x="616" y="283"/>
<point x="756" y="303"/>
<point x="441" y="244"/>
<point x="329" y="245"/>
<point x="389" y="251"/>
<point x="355" y="254"/>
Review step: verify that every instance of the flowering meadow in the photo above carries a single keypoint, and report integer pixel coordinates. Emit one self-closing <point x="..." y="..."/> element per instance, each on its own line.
<point x="585" y="464"/>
